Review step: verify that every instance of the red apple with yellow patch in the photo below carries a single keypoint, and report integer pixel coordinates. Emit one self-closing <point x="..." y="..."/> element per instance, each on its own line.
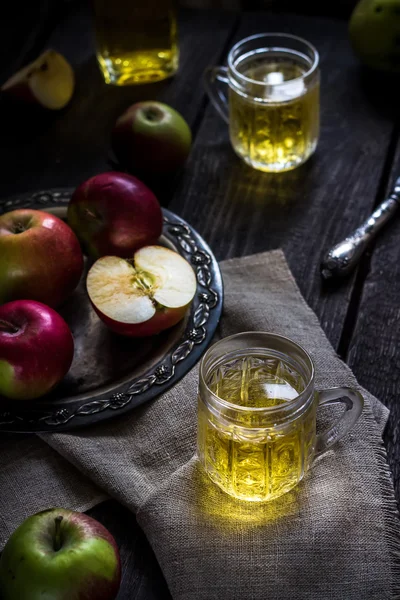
<point x="40" y="257"/>
<point x="114" y="214"/>
<point x="36" y="349"/>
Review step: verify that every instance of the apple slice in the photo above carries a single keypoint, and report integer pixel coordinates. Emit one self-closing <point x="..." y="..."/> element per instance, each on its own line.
<point x="144" y="295"/>
<point x="48" y="81"/>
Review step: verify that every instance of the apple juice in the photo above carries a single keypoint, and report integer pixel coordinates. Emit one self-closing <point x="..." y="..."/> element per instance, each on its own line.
<point x="136" y="41"/>
<point x="274" y="127"/>
<point x="249" y="462"/>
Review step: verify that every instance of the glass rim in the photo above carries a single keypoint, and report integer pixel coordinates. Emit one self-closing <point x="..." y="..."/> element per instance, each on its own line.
<point x="290" y="36"/>
<point x="295" y="402"/>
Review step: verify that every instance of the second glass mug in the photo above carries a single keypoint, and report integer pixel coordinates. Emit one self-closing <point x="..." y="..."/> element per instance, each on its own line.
<point x="273" y="114"/>
<point x="257" y="415"/>
<point x="136" y="42"/>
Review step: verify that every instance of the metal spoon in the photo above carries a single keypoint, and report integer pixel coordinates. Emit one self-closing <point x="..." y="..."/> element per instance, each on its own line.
<point x="343" y="258"/>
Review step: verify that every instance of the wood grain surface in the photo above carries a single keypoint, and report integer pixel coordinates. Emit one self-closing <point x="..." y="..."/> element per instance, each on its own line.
<point x="238" y="210"/>
<point x="374" y="348"/>
<point x="46" y="149"/>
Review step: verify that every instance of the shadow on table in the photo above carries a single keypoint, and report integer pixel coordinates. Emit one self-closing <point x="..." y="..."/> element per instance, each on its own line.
<point x="276" y="195"/>
<point x="381" y="91"/>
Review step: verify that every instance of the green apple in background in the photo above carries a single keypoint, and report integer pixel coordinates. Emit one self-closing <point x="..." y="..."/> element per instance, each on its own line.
<point x="59" y="554"/>
<point x="151" y="137"/>
<point x="375" y="33"/>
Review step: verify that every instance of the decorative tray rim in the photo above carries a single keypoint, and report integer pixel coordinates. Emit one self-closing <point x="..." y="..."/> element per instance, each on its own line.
<point x="41" y="416"/>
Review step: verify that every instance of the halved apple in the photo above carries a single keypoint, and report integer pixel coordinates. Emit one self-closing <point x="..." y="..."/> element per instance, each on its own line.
<point x="144" y="295"/>
<point x="48" y="81"/>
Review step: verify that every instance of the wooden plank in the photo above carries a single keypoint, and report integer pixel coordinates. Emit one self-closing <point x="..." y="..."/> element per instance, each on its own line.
<point x="64" y="148"/>
<point x="23" y="34"/>
<point x="374" y="347"/>
<point x="240" y="211"/>
<point x="339" y="8"/>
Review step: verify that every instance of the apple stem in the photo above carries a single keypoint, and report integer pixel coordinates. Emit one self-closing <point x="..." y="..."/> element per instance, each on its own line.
<point x="57" y="537"/>
<point x="153" y="114"/>
<point x="19" y="227"/>
<point x="8" y="327"/>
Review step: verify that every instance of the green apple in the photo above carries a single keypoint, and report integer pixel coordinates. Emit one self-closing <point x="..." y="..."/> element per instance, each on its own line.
<point x="375" y="33"/>
<point x="60" y="554"/>
<point x="151" y="137"/>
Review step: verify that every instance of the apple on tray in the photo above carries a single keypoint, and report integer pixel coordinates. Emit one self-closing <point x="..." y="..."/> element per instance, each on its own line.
<point x="151" y="137"/>
<point x="114" y="214"/>
<point x="60" y="554"/>
<point x="144" y="295"/>
<point x="40" y="257"/>
<point x="36" y="349"/>
<point x="48" y="82"/>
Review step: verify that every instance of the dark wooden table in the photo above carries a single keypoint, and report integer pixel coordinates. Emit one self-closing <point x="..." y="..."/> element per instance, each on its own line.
<point x="238" y="210"/>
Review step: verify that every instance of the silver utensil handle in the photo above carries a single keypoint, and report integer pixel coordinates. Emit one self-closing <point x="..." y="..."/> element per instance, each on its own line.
<point x="342" y="258"/>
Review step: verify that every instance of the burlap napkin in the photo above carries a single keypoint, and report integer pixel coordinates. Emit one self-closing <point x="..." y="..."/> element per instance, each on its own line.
<point x="336" y="536"/>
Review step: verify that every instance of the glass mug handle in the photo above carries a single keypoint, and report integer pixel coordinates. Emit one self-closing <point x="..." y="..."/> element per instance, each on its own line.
<point x="213" y="76"/>
<point x="353" y="402"/>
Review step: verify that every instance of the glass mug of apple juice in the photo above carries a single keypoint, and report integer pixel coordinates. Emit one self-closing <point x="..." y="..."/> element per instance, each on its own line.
<point x="273" y="114"/>
<point x="136" y="40"/>
<point x="257" y="415"/>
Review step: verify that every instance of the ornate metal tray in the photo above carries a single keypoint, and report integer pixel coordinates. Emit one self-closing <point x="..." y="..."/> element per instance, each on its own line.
<point x="111" y="375"/>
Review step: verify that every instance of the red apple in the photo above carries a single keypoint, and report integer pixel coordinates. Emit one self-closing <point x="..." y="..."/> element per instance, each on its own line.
<point x="151" y="137"/>
<point x="36" y="349"/>
<point x="48" y="81"/>
<point x="114" y="213"/>
<point x="40" y="257"/>
<point x="142" y="296"/>
<point x="60" y="554"/>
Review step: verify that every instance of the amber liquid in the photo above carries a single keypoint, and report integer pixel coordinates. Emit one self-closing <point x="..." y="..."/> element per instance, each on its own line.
<point x="274" y="128"/>
<point x="136" y="41"/>
<point x="247" y="461"/>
